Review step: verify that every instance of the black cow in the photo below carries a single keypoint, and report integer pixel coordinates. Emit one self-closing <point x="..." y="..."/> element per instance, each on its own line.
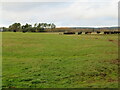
<point x="112" y="32"/>
<point x="117" y="32"/>
<point x="79" y="33"/>
<point x="69" y="32"/>
<point x="98" y="32"/>
<point x="14" y="30"/>
<point x="87" y="32"/>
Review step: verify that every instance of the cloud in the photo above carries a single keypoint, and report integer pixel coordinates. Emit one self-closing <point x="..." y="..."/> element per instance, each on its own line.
<point x="59" y="0"/>
<point x="83" y="13"/>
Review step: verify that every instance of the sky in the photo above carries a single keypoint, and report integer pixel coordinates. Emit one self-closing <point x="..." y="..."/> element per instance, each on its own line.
<point x="63" y="13"/>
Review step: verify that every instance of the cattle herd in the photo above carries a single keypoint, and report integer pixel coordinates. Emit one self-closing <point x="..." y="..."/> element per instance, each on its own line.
<point x="98" y="32"/>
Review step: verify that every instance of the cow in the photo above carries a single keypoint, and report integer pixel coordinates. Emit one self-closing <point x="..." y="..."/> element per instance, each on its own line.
<point x="88" y="32"/>
<point x="79" y="33"/>
<point x="98" y="32"/>
<point x="69" y="32"/>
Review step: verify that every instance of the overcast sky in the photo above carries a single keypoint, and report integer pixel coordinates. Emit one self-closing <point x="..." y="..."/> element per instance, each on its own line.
<point x="68" y="13"/>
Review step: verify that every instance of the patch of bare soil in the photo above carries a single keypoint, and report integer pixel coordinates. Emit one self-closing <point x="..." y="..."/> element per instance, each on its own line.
<point x="112" y="80"/>
<point x="116" y="61"/>
<point x="96" y="38"/>
<point x="110" y="40"/>
<point x="114" y="41"/>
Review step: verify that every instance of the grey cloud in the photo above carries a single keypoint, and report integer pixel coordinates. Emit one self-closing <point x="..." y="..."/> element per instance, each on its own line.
<point x="62" y="14"/>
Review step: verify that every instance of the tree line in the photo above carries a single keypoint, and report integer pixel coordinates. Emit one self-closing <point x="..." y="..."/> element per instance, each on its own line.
<point x="38" y="27"/>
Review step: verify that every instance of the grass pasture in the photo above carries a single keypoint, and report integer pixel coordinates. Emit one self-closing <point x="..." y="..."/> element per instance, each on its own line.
<point x="43" y="60"/>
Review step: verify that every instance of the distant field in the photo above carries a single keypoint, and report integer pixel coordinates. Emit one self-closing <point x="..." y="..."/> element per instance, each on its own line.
<point x="43" y="60"/>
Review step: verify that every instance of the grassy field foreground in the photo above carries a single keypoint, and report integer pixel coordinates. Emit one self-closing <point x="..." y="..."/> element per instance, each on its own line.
<point x="41" y="60"/>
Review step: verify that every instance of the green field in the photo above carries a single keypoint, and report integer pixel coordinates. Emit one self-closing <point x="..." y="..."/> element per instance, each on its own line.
<point x="50" y="60"/>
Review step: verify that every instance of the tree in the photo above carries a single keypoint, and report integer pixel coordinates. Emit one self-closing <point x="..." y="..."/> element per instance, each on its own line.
<point x="53" y="26"/>
<point x="5" y="29"/>
<point x="15" y="27"/>
<point x="38" y="27"/>
<point x="26" y="28"/>
<point x="49" y="25"/>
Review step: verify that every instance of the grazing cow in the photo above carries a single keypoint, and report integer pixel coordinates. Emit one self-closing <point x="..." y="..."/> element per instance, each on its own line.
<point x="112" y="32"/>
<point x="87" y="32"/>
<point x="79" y="33"/>
<point x="117" y="32"/>
<point x="69" y="32"/>
<point x="98" y="32"/>
<point x="24" y="31"/>
<point x="14" y="30"/>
